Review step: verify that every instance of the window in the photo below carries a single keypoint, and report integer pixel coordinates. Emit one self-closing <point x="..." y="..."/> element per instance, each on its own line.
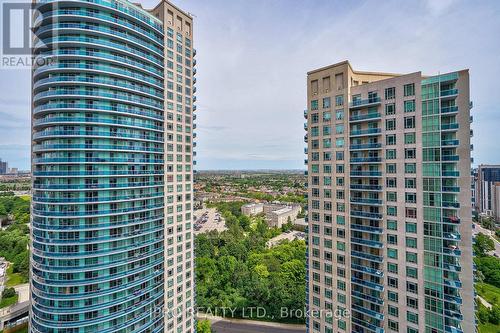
<point x="410" y="183"/>
<point x="411" y="212"/>
<point x="409" y="89"/>
<point x="409" y="122"/>
<point x="392" y="296"/>
<point x="390" y="109"/>
<point x="410" y="153"/>
<point x="390" y="93"/>
<point x="391" y="196"/>
<point x="339" y="114"/>
<point x="339" y="142"/>
<point x="411" y="257"/>
<point x="326" y="84"/>
<point x="392" y="210"/>
<point x="390" y="168"/>
<point x="393" y="325"/>
<point x="392" y="253"/>
<point x="409" y="106"/>
<point x="314" y="104"/>
<point x="411" y="227"/>
<point x="390" y="139"/>
<point x="326" y="102"/>
<point x="390" y="154"/>
<point x="411" y="272"/>
<point x="392" y="239"/>
<point x="411" y="242"/>
<point x="410" y="197"/>
<point x="339" y="100"/>
<point x="392" y="282"/>
<point x="410" y="167"/>
<point x="392" y="224"/>
<point x="390" y="124"/>
<point x="327" y="116"/>
<point x="314" y="86"/>
<point x="409" y="138"/>
<point x="339" y="128"/>
<point x="393" y="311"/>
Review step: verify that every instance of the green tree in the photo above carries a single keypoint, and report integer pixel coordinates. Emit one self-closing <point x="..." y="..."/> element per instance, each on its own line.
<point x="483" y="244"/>
<point x="203" y="326"/>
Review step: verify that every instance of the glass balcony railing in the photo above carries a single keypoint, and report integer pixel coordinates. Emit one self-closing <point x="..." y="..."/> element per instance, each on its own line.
<point x="450" y="173"/>
<point x="366" y="146"/>
<point x="449" y="92"/>
<point x="359" y="103"/>
<point x="366" y="201"/>
<point x="449" y="109"/>
<point x="367" y="256"/>
<point x="450" y="158"/>
<point x="366" y="228"/>
<point x="367" y="242"/>
<point x="368" y="312"/>
<point x="450" y="126"/>
<point x="449" y="142"/>
<point x="366" y="159"/>
<point x="368" y="284"/>
<point x="366" y="187"/>
<point x="367" y="297"/>
<point x="366" y="173"/>
<point x="365" y="116"/>
<point x="367" y="215"/>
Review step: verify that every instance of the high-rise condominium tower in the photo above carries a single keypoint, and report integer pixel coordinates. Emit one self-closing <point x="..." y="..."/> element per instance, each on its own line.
<point x="389" y="201"/>
<point x="112" y="247"/>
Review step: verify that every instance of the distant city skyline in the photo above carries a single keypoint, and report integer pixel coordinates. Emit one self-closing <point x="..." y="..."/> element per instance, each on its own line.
<point x="251" y="70"/>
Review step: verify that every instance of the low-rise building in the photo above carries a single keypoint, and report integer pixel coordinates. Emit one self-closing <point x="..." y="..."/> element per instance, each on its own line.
<point x="252" y="209"/>
<point x="278" y="218"/>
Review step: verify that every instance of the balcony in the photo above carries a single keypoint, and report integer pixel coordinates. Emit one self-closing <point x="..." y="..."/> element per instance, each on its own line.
<point x="448" y="143"/>
<point x="454" y="189"/>
<point x="366" y="242"/>
<point x="367" y="116"/>
<point x="366" y="146"/>
<point x="450" y="158"/>
<point x="452" y="268"/>
<point x="366" y="297"/>
<point x="451" y="204"/>
<point x="367" y="256"/>
<point x="449" y="127"/>
<point x="368" y="270"/>
<point x="449" y="109"/>
<point x="367" y="215"/>
<point x="451" y="219"/>
<point x="450" y="173"/>
<point x="452" y="236"/>
<point x="366" y="174"/>
<point x="366" y="159"/>
<point x="366" y="187"/>
<point x="365" y="311"/>
<point x="366" y="228"/>
<point x="452" y="251"/>
<point x="366" y="201"/>
<point x="449" y="93"/>
<point x="365" y="324"/>
<point x="452" y="329"/>
<point x="363" y="103"/>
<point x="305" y="114"/>
<point x="368" y="131"/>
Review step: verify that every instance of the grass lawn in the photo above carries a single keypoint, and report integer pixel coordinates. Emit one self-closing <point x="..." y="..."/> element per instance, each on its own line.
<point x="489" y="328"/>
<point x="13" y="279"/>
<point x="8" y="301"/>
<point x="489" y="292"/>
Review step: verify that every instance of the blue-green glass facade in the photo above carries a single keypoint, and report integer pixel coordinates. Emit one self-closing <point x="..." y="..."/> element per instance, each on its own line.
<point x="98" y="174"/>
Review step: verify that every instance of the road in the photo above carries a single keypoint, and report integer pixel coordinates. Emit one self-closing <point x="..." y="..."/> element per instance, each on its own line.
<point x="479" y="229"/>
<point x="221" y="325"/>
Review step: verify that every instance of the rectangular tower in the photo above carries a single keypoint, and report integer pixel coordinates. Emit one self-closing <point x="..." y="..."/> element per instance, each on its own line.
<point x="179" y="115"/>
<point x="389" y="201"/>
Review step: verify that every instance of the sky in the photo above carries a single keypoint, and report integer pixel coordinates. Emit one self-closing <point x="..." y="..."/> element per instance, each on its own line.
<point x="253" y="56"/>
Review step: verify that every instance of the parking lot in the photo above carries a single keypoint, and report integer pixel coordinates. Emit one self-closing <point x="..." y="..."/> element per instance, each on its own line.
<point x="208" y="219"/>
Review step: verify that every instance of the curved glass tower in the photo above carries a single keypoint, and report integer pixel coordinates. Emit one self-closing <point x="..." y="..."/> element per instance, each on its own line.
<point x="98" y="167"/>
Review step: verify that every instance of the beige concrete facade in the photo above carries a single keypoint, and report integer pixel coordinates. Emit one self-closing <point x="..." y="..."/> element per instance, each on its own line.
<point x="179" y="142"/>
<point x="278" y="218"/>
<point x="252" y="209"/>
<point x="389" y="201"/>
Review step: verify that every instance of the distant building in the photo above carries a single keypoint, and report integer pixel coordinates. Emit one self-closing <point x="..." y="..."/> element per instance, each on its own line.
<point x="3" y="167"/>
<point x="486" y="181"/>
<point x="278" y="218"/>
<point x="252" y="209"/>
